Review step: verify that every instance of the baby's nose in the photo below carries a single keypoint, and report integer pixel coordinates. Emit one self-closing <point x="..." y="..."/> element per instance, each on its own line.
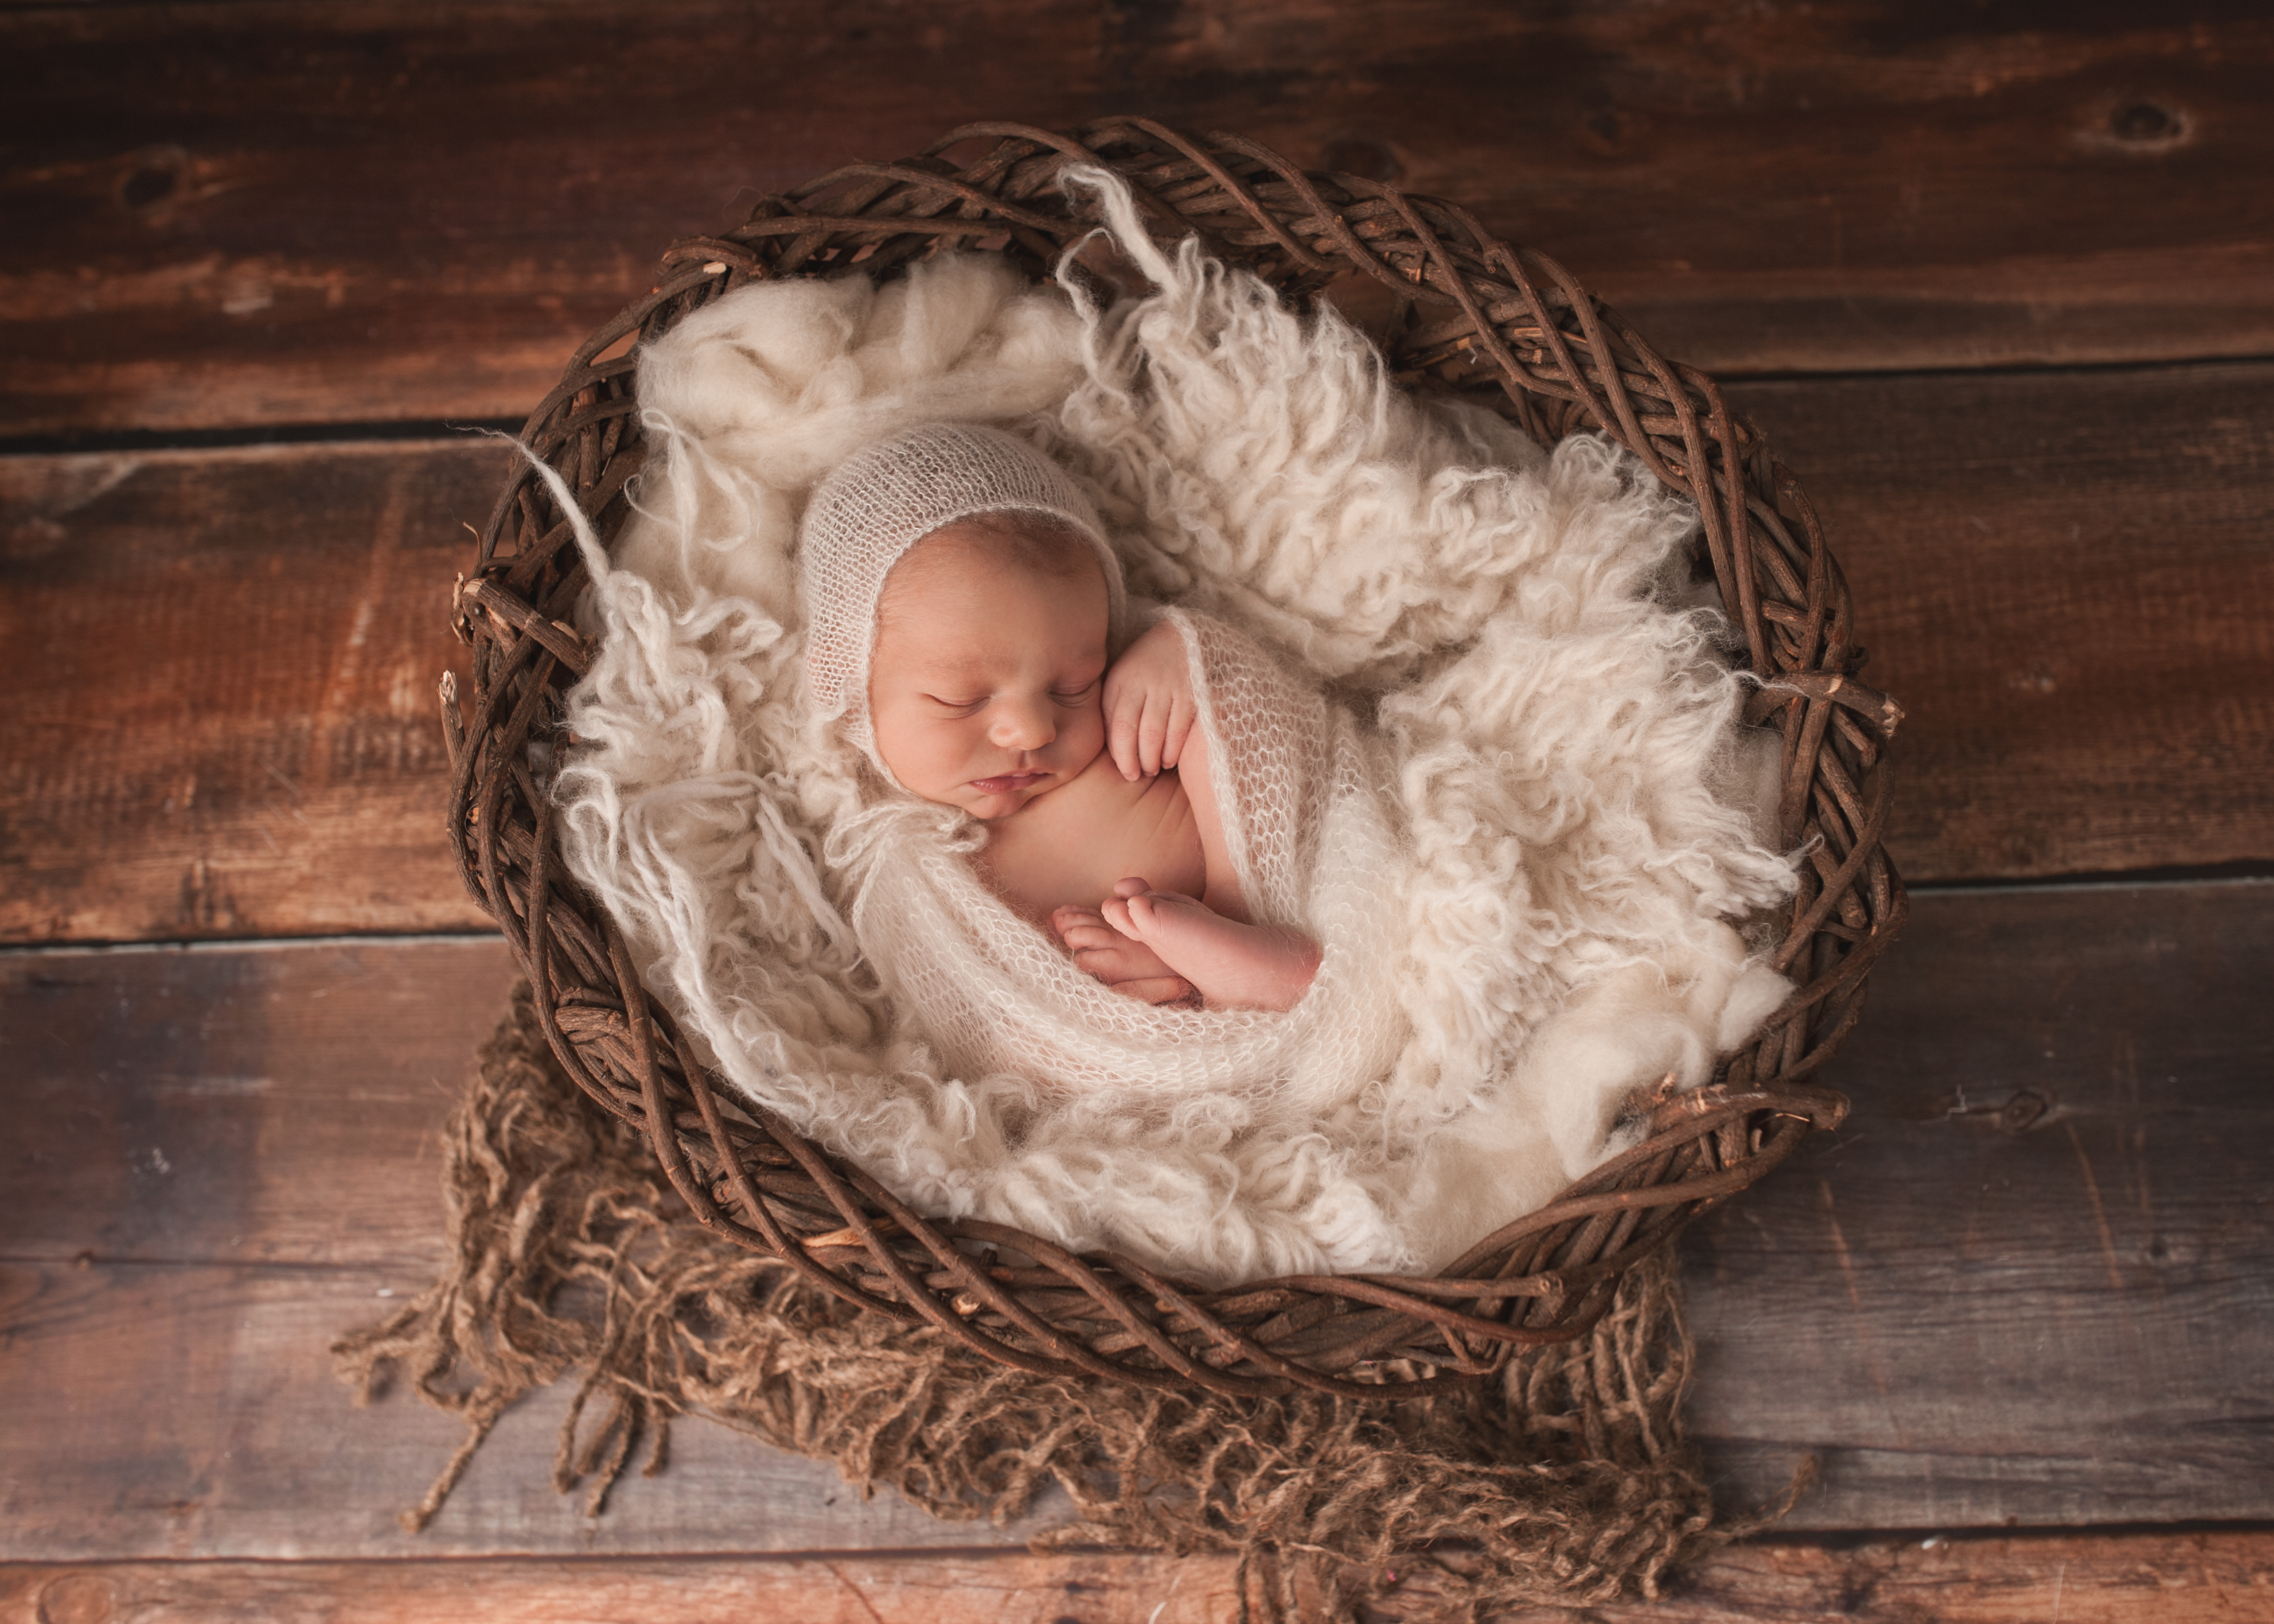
<point x="1023" y="725"/>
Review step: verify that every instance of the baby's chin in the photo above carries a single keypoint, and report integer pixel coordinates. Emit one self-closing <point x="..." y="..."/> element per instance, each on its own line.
<point x="991" y="800"/>
<point x="989" y="804"/>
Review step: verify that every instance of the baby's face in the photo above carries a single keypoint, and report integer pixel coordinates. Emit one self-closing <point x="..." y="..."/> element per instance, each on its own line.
<point x="985" y="688"/>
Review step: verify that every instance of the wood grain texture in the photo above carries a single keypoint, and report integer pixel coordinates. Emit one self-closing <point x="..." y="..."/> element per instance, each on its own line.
<point x="190" y="1410"/>
<point x="238" y="212"/>
<point x="229" y="661"/>
<point x="227" y="657"/>
<point x="2029" y="1281"/>
<point x="1002" y="1588"/>
<point x="222" y="1157"/>
<point x="240" y="1107"/>
<point x="2069" y="581"/>
<point x="2202" y="1578"/>
<point x="228" y="1157"/>
<point x="2196" y="1578"/>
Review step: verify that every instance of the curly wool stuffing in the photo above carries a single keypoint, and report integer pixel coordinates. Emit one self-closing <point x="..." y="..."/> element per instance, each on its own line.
<point x="1527" y="905"/>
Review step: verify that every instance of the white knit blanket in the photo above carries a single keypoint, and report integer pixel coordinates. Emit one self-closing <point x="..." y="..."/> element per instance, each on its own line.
<point x="1527" y="839"/>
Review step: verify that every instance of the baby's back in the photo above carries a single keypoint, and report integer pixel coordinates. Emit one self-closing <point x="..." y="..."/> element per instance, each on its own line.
<point x="1068" y="847"/>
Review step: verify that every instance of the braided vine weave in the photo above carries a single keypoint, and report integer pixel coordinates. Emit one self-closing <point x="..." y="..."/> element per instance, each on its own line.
<point x="1502" y="325"/>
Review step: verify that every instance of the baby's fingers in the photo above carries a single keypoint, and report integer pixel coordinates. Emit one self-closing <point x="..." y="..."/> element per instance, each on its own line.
<point x="1182" y="715"/>
<point x="1176" y="710"/>
<point x="1135" y="727"/>
<point x="1122" y="712"/>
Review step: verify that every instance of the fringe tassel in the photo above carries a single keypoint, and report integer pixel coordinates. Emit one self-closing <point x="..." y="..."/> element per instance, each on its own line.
<point x="1567" y="1483"/>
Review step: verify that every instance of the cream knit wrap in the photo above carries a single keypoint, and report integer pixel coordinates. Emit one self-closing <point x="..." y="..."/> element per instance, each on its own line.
<point x="1301" y="791"/>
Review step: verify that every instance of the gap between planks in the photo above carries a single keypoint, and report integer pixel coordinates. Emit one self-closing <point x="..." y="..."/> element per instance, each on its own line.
<point x="216" y="1169"/>
<point x="2059" y="582"/>
<point x="2121" y="881"/>
<point x="1758" y="196"/>
<point x="2212" y="1577"/>
<point x="414" y="432"/>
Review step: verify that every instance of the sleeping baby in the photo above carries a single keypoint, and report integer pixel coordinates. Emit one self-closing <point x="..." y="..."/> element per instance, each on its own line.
<point x="991" y="686"/>
<point x="1409" y="786"/>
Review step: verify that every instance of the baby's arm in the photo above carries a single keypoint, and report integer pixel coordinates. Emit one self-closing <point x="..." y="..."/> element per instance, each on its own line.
<point x="1207" y="945"/>
<point x="1149" y="721"/>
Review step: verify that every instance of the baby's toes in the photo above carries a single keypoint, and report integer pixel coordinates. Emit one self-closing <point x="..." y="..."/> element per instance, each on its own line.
<point x="1072" y="917"/>
<point x="1102" y="961"/>
<point x="1139" y="909"/>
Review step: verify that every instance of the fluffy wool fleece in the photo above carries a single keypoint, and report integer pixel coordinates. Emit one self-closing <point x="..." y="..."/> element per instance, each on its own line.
<point x="1561" y="758"/>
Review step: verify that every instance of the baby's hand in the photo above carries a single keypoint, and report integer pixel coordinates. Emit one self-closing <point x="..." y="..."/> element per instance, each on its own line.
<point x="1128" y="966"/>
<point x="1148" y="705"/>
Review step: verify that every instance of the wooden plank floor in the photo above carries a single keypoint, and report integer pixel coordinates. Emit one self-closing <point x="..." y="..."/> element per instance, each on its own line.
<point x="254" y="1175"/>
<point x="2064" y="577"/>
<point x="396" y="208"/>
<point x="2198" y="1578"/>
<point x="2000" y="286"/>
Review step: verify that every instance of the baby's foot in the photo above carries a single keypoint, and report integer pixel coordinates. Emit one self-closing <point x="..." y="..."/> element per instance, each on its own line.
<point x="1124" y="964"/>
<point x="1235" y="967"/>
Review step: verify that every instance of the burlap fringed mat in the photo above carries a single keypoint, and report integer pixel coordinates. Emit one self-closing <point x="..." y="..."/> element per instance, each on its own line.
<point x="1567" y="1483"/>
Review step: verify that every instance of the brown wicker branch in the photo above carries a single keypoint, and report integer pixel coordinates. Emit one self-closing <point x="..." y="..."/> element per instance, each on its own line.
<point x="1485" y="319"/>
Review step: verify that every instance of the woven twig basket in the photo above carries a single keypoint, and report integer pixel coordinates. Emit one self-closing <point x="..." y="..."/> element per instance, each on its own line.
<point x="1501" y="324"/>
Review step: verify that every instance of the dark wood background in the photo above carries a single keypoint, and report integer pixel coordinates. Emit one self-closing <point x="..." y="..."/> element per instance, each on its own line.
<point x="1998" y="280"/>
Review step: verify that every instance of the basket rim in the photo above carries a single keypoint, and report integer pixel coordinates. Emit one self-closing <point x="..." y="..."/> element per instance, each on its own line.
<point x="1472" y="314"/>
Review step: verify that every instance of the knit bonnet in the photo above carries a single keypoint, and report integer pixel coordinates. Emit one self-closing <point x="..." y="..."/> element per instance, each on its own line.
<point x="889" y="495"/>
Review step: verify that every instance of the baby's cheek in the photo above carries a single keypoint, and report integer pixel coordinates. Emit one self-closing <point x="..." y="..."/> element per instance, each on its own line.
<point x="1086" y="737"/>
<point x="952" y="746"/>
<point x="915" y="748"/>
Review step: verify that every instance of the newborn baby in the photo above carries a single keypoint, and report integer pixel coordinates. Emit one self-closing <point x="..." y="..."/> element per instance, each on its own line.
<point x="989" y="689"/>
